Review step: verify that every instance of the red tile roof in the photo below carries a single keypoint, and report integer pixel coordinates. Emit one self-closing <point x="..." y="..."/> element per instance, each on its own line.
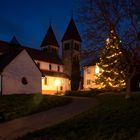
<point x="44" y="56"/>
<point x="36" y="54"/>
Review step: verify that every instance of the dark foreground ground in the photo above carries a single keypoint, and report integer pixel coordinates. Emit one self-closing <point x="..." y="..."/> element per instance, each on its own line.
<point x="114" y="118"/>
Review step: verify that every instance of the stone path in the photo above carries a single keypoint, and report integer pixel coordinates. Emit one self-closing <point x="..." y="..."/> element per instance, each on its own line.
<point x="19" y="127"/>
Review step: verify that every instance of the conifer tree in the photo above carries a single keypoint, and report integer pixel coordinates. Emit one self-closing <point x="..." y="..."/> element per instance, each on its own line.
<point x="75" y="76"/>
<point x="111" y="76"/>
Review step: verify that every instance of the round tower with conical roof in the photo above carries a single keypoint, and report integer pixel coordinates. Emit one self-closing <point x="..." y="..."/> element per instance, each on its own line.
<point x="71" y="45"/>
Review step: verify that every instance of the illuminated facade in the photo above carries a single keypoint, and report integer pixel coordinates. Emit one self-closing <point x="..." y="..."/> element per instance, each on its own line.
<point x="90" y="75"/>
<point x="55" y="72"/>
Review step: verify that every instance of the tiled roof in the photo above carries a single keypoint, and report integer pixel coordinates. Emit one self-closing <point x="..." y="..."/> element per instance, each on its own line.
<point x="55" y="74"/>
<point x="36" y="54"/>
<point x="50" y="38"/>
<point x="4" y="46"/>
<point x="6" y="58"/>
<point x="71" y="32"/>
<point x="44" y="56"/>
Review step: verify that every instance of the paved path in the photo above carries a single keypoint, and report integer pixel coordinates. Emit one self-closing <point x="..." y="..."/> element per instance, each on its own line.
<point x="19" y="127"/>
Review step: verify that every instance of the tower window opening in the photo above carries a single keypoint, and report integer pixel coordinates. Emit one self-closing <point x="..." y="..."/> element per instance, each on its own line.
<point x="67" y="46"/>
<point x="76" y="46"/>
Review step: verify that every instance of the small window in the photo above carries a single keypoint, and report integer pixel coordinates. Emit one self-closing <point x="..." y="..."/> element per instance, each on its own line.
<point x="24" y="81"/>
<point x="58" y="68"/>
<point x="88" y="82"/>
<point x="88" y="71"/>
<point x="45" y="81"/>
<point x="45" y="49"/>
<point x="61" y="87"/>
<point x="67" y="46"/>
<point x="50" y="67"/>
<point x="76" y="46"/>
<point x="54" y="50"/>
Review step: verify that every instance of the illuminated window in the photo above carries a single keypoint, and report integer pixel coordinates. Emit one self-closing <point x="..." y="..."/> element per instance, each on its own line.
<point x="50" y="67"/>
<point x="45" y="81"/>
<point x="97" y="70"/>
<point x="58" y="68"/>
<point x="88" y="82"/>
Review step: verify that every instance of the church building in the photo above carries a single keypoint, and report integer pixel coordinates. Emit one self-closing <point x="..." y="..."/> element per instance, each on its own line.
<point x="55" y="72"/>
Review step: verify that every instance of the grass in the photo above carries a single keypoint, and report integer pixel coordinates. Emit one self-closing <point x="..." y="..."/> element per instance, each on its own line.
<point x="113" y="119"/>
<point x="86" y="93"/>
<point x="14" y="106"/>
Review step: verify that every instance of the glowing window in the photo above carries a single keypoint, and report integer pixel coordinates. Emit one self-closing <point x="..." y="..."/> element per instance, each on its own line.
<point x="45" y="81"/>
<point x="97" y="69"/>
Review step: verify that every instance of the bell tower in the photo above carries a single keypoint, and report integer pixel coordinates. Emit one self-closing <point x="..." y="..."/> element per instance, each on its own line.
<point x="71" y="45"/>
<point x="49" y="43"/>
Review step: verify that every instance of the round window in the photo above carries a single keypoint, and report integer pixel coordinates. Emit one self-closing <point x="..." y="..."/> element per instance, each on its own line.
<point x="24" y="81"/>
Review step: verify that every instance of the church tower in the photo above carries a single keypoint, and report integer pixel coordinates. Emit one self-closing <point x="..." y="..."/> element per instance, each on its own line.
<point x="49" y="43"/>
<point x="71" y="45"/>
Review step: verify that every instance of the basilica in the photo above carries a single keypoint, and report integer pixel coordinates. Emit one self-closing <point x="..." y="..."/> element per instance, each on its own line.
<point x="28" y="70"/>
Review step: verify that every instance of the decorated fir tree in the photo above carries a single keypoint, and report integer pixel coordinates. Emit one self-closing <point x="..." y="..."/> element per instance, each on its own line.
<point x="111" y="76"/>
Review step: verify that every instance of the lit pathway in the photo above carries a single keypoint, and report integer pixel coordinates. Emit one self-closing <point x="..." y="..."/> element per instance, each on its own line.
<point x="19" y="127"/>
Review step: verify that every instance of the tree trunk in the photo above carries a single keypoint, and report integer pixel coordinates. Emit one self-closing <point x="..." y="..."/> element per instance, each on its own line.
<point x="128" y="89"/>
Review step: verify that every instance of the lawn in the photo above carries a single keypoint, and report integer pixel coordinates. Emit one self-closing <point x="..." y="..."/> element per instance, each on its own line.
<point x="14" y="106"/>
<point x="113" y="119"/>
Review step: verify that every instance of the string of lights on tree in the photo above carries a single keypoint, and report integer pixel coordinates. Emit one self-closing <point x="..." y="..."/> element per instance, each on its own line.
<point x="111" y="75"/>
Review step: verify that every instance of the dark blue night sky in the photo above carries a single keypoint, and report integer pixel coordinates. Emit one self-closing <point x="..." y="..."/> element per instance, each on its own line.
<point x="28" y="20"/>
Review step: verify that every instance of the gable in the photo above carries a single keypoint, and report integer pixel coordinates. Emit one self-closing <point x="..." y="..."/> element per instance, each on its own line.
<point x="22" y="63"/>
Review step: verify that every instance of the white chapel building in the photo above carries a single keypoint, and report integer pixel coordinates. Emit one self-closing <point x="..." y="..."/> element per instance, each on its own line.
<point x="39" y="70"/>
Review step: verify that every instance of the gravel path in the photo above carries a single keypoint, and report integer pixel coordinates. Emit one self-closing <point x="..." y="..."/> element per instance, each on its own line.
<point x="19" y="127"/>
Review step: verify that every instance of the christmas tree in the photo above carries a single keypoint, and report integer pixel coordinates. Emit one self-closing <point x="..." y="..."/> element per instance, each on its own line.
<point x="111" y="76"/>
